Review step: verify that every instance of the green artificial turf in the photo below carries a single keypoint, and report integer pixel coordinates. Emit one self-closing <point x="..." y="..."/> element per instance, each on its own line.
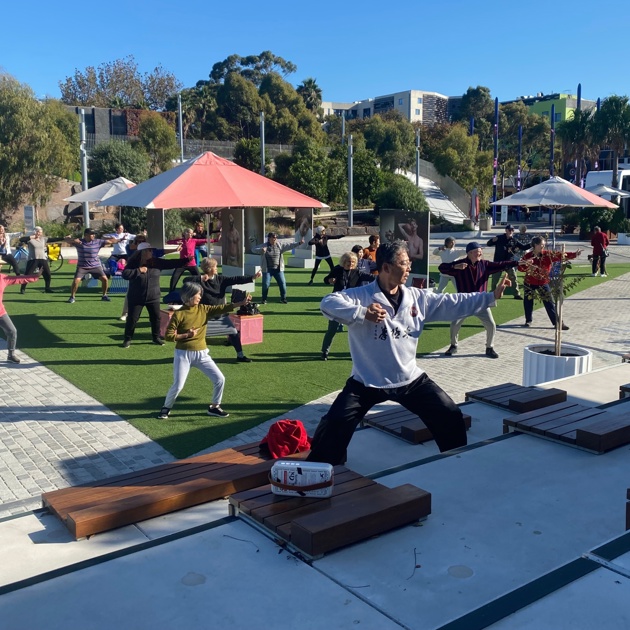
<point x="81" y="342"/>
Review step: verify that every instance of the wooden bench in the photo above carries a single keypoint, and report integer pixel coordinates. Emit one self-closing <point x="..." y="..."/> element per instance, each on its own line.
<point x="403" y="424"/>
<point x="517" y="397"/>
<point x="591" y="428"/>
<point x="137" y="496"/>
<point x="359" y="508"/>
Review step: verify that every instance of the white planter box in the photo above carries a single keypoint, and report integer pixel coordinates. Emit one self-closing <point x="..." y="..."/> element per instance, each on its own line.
<point x="541" y="368"/>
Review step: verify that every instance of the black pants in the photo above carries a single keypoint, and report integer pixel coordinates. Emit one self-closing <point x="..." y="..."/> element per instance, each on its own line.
<point x="544" y="293"/>
<point x="601" y="259"/>
<point x="42" y="264"/>
<point x="11" y="260"/>
<point x="133" y="315"/>
<point x="316" y="267"/>
<point x="422" y="397"/>
<point x="177" y="274"/>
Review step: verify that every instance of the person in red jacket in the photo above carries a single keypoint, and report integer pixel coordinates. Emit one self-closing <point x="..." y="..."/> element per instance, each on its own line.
<point x="599" y="243"/>
<point x="537" y="265"/>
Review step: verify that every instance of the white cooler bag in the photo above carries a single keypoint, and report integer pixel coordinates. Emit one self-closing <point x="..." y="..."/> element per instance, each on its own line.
<point x="301" y="479"/>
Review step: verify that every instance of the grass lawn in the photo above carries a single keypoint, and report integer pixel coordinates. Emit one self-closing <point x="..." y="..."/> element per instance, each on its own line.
<point x="81" y="342"/>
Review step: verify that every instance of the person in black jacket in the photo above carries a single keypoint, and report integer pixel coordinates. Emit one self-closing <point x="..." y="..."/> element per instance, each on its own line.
<point x="320" y="240"/>
<point x="214" y="287"/>
<point x="344" y="276"/>
<point x="505" y="247"/>
<point x="143" y="273"/>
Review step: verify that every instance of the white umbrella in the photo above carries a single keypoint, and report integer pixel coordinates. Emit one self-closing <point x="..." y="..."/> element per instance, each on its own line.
<point x="103" y="191"/>
<point x="555" y="193"/>
<point x="601" y="189"/>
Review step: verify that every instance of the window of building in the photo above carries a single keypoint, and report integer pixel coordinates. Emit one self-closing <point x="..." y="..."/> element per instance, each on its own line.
<point x="558" y="117"/>
<point x="400" y="101"/>
<point x="419" y="100"/>
<point x="417" y="112"/>
<point x="545" y="113"/>
<point x="367" y="112"/>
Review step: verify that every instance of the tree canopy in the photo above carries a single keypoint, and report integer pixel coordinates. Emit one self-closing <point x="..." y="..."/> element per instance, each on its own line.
<point x="117" y="159"/>
<point x="253" y="68"/>
<point x="37" y="145"/>
<point x="119" y="84"/>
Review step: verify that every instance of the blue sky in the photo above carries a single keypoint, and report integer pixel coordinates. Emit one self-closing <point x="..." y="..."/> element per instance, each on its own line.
<point x="354" y="50"/>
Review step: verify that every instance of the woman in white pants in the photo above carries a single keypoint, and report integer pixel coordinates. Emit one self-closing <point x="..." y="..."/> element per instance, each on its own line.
<point x="187" y="329"/>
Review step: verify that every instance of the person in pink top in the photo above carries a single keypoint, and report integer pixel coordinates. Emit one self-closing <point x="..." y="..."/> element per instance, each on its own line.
<point x="6" y="325"/>
<point x="187" y="245"/>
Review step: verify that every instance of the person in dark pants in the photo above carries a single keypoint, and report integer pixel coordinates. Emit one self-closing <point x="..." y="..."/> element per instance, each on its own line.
<point x="537" y="266"/>
<point x="143" y="273"/>
<point x="37" y="257"/>
<point x="320" y="240"/>
<point x="599" y="243"/>
<point x="385" y="320"/>
<point x="344" y="276"/>
<point x="505" y="246"/>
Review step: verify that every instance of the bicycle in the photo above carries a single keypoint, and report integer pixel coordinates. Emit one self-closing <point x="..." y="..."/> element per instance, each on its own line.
<point x="53" y="253"/>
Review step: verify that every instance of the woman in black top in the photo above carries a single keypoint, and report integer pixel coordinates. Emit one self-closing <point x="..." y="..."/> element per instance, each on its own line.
<point x="344" y="276"/>
<point x="320" y="240"/>
<point x="143" y="273"/>
<point x="214" y="287"/>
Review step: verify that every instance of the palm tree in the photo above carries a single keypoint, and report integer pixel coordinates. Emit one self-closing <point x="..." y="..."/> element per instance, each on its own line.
<point x="613" y="128"/>
<point x="577" y="137"/>
<point x="311" y="94"/>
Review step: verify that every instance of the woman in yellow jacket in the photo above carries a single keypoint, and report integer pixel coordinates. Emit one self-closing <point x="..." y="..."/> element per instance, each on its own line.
<point x="187" y="329"/>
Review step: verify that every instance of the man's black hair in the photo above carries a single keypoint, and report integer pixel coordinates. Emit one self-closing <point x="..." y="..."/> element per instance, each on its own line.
<point x="356" y="249"/>
<point x="373" y="238"/>
<point x="389" y="252"/>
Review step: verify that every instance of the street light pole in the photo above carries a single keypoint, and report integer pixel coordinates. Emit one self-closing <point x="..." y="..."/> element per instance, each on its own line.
<point x="84" y="168"/>
<point x="181" y="127"/>
<point x="350" y="183"/>
<point x="417" y="158"/>
<point x="262" y="143"/>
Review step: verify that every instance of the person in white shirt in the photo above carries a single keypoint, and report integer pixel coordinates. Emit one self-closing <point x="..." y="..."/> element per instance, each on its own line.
<point x="448" y="253"/>
<point x="385" y="320"/>
<point x="123" y="240"/>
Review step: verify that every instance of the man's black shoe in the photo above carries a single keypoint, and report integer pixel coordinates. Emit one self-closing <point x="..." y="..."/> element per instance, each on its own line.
<point x="565" y="327"/>
<point x="518" y="297"/>
<point x="451" y="351"/>
<point x="243" y="359"/>
<point x="490" y="353"/>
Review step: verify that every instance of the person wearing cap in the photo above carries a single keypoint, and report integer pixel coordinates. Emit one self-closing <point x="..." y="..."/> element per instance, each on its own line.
<point x="385" y="320"/>
<point x="471" y="275"/>
<point x="505" y="246"/>
<point x="320" y="240"/>
<point x="88" y="248"/>
<point x="272" y="264"/>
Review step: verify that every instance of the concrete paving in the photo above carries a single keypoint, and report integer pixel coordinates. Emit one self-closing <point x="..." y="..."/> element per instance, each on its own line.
<point x="52" y="435"/>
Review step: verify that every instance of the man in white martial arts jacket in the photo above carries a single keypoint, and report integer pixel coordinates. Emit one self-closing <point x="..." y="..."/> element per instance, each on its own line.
<point x="385" y="320"/>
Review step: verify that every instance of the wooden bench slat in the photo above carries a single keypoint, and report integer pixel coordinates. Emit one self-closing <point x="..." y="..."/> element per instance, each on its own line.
<point x="536" y="399"/>
<point x="179" y="472"/>
<point x="478" y="393"/>
<point x="162" y="500"/>
<point x="287" y="512"/>
<point x="604" y="435"/>
<point x="262" y="498"/>
<point x="369" y="514"/>
<point x="558" y="425"/>
<point x="559" y="409"/>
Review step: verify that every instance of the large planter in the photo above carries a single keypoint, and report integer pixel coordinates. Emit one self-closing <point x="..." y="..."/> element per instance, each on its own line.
<point x="540" y="365"/>
<point x="485" y="224"/>
<point x="623" y="239"/>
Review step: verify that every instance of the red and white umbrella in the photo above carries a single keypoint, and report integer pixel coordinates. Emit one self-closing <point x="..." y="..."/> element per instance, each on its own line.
<point x="210" y="181"/>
